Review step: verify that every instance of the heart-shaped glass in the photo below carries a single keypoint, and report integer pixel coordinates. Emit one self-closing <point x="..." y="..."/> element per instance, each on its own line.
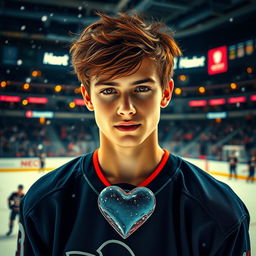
<point x="126" y="211"/>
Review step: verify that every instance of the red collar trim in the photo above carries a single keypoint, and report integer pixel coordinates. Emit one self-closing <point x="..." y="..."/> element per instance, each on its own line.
<point x="144" y="183"/>
<point x="98" y="170"/>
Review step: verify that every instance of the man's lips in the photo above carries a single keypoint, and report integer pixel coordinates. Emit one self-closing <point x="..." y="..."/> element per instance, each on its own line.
<point x="127" y="123"/>
<point x="127" y="127"/>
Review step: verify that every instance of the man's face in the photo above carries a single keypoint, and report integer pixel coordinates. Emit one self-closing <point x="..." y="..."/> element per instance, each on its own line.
<point x="127" y="109"/>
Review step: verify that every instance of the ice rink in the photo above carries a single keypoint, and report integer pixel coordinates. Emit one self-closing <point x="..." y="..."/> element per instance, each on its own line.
<point x="10" y="180"/>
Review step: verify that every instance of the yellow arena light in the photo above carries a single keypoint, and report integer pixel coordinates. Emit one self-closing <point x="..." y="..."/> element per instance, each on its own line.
<point x="182" y="78"/>
<point x="201" y="89"/>
<point x="178" y="91"/>
<point x="42" y="120"/>
<point x="249" y="70"/>
<point x="58" y="88"/>
<point x="233" y="86"/>
<point x="24" y="102"/>
<point x="3" y="84"/>
<point x="26" y="86"/>
<point x="36" y="73"/>
<point x="77" y="90"/>
<point x="72" y="104"/>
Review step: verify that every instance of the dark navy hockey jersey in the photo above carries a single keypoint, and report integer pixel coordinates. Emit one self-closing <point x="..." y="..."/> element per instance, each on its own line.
<point x="195" y="214"/>
<point x="14" y="201"/>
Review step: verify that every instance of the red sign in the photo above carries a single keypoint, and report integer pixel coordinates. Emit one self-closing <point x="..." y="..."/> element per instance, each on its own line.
<point x="29" y="114"/>
<point x="9" y="98"/>
<point x="29" y="163"/>
<point x="197" y="103"/>
<point x="240" y="99"/>
<point x="215" y="102"/>
<point x="79" y="102"/>
<point x="253" y="97"/>
<point x="217" y="60"/>
<point x="38" y="100"/>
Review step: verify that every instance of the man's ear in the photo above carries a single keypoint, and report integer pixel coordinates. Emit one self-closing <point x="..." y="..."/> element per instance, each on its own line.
<point x="87" y="98"/>
<point x="167" y="94"/>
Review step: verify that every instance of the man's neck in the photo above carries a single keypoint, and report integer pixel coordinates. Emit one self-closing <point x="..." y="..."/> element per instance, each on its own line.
<point x="129" y="164"/>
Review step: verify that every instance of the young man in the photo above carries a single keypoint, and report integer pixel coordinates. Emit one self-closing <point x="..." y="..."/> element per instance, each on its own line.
<point x="125" y="67"/>
<point x="14" y="205"/>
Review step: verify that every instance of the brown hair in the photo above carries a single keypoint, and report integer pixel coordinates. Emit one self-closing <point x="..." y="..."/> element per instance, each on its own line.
<point x="117" y="45"/>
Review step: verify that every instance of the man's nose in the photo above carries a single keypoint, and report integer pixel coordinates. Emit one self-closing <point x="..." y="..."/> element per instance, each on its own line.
<point x="126" y="107"/>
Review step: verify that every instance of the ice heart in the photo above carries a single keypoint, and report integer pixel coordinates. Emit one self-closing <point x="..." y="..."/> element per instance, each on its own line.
<point x="126" y="211"/>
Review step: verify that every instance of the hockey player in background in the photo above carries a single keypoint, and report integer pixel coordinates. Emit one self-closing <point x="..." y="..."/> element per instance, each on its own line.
<point x="14" y="205"/>
<point x="251" y="167"/>
<point x="232" y="165"/>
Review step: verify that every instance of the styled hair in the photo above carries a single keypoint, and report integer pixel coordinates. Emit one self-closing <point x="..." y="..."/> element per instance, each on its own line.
<point x="116" y="46"/>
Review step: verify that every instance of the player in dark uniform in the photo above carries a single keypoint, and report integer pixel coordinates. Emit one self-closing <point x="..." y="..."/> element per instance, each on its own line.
<point x="251" y="168"/>
<point x="232" y="165"/>
<point x="14" y="205"/>
<point x="42" y="161"/>
<point x="125" y="67"/>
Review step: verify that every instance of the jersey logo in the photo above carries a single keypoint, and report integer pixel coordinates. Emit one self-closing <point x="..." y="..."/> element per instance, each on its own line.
<point x="100" y="249"/>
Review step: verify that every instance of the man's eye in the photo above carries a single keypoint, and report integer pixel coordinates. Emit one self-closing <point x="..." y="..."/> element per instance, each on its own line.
<point x="108" y="91"/>
<point x="143" y="89"/>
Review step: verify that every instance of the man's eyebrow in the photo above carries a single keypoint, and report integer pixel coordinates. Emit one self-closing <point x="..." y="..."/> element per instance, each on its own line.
<point x="102" y="82"/>
<point x="142" y="81"/>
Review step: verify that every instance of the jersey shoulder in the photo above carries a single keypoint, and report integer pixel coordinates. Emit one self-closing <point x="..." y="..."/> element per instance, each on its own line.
<point x="61" y="178"/>
<point x="12" y="195"/>
<point x="216" y="198"/>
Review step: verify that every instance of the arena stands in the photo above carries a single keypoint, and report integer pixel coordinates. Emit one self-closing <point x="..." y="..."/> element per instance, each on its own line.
<point x="193" y="138"/>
